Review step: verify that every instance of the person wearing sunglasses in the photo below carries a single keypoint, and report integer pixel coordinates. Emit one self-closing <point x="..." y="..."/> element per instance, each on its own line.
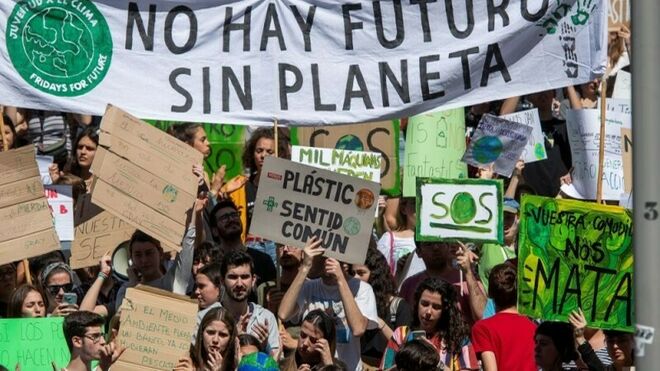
<point x="57" y="279"/>
<point x="83" y="332"/>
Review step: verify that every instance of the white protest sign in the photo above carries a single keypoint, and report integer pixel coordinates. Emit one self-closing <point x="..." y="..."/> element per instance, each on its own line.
<point x="60" y="200"/>
<point x="583" y="128"/>
<point x="360" y="164"/>
<point x="535" y="148"/>
<point x="623" y="106"/>
<point x="321" y="61"/>
<point x="295" y="202"/>
<point x="622" y="86"/>
<point x="459" y="209"/>
<point x="44" y="162"/>
<point x="499" y="142"/>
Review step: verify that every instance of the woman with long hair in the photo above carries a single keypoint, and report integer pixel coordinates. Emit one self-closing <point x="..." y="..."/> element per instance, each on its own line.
<point x="316" y="344"/>
<point x="393" y="311"/>
<point x="27" y="301"/>
<point x="437" y="319"/>
<point x="215" y="348"/>
<point x="400" y="242"/>
<point x="82" y="156"/>
<point x="208" y="285"/>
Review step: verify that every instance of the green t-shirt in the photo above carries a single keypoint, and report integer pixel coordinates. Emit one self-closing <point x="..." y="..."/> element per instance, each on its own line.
<point x="492" y="255"/>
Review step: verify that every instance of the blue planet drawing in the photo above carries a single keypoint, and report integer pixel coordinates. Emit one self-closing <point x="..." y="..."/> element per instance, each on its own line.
<point x="487" y="149"/>
<point x="350" y="142"/>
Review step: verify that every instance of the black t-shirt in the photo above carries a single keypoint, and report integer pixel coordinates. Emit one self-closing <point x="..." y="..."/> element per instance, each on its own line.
<point x="544" y="176"/>
<point x="264" y="269"/>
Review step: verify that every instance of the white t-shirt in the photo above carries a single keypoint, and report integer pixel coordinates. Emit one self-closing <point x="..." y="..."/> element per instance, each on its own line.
<point x="317" y="295"/>
<point x="402" y="246"/>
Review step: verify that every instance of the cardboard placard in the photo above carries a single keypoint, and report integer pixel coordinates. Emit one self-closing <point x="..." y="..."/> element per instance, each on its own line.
<point x="583" y="128"/>
<point x="295" y="202"/>
<point x="33" y="343"/>
<point x="499" y="142"/>
<point x="459" y="210"/>
<point x="381" y="137"/>
<point x="535" y="148"/>
<point x="60" y="201"/>
<point x="435" y="143"/>
<point x="156" y="328"/>
<point x="574" y="254"/>
<point x="627" y="147"/>
<point x="618" y="13"/>
<point x="24" y="214"/>
<point x="360" y="164"/>
<point x="144" y="176"/>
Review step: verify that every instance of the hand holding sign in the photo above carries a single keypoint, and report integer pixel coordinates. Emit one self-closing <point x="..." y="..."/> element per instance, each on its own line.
<point x="311" y="250"/>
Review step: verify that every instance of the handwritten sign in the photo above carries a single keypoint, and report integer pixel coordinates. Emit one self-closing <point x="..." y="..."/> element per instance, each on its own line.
<point x="574" y="254"/>
<point x="60" y="201"/>
<point x="27" y="224"/>
<point x="618" y="13"/>
<point x="459" y="209"/>
<point x="435" y="143"/>
<point x="583" y="127"/>
<point x="626" y="145"/>
<point x="622" y="85"/>
<point x="499" y="142"/>
<point x="44" y="162"/>
<point x="535" y="148"/>
<point x="144" y="177"/>
<point x="33" y="343"/>
<point x="363" y="165"/>
<point x="156" y="327"/>
<point x="381" y="137"/>
<point x="295" y="202"/>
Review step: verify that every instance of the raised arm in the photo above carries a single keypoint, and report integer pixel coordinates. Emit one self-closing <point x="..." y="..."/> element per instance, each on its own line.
<point x="288" y="306"/>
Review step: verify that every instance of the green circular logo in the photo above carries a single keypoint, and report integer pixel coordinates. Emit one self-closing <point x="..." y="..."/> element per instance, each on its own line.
<point x="63" y="48"/>
<point x="352" y="226"/>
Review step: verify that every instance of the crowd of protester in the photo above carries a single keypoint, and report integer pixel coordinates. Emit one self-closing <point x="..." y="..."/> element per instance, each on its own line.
<point x="412" y="305"/>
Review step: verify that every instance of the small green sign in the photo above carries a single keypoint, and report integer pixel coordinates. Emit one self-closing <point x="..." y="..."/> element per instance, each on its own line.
<point x="34" y="343"/>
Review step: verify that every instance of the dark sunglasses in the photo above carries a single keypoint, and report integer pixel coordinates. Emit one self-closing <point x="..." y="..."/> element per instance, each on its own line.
<point x="54" y="289"/>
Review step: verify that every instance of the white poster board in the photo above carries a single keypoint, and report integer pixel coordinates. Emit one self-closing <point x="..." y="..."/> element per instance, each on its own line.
<point x="535" y="148"/>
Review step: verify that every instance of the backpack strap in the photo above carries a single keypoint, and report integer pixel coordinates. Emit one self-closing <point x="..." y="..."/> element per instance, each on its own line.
<point x="394" y="306"/>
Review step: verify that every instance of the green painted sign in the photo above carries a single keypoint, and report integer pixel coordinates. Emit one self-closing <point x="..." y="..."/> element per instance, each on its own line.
<point x="435" y="143"/>
<point x="34" y="343"/>
<point x="226" y="142"/>
<point x="576" y="254"/>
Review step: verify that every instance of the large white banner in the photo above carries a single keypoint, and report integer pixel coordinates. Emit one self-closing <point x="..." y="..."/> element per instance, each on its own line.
<point x="301" y="62"/>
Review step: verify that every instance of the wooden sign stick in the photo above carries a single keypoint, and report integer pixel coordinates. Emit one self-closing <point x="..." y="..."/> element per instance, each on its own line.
<point x="601" y="145"/>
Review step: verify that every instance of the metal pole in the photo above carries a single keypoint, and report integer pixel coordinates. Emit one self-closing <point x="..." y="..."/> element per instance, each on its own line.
<point x="646" y="131"/>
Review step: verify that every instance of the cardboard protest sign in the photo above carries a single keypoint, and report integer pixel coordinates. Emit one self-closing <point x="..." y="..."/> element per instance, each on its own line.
<point x="499" y="142"/>
<point x="156" y="327"/>
<point x="583" y="127"/>
<point x="60" y="201"/>
<point x="360" y="164"/>
<point x="626" y="146"/>
<point x="459" y="210"/>
<point x="27" y="224"/>
<point x="295" y="202"/>
<point x="144" y="176"/>
<point x="535" y="148"/>
<point x="435" y="143"/>
<point x="618" y="13"/>
<point x="622" y="86"/>
<point x="97" y="232"/>
<point x="359" y="62"/>
<point x="575" y="254"/>
<point x="226" y="142"/>
<point x="381" y="137"/>
<point x="33" y="343"/>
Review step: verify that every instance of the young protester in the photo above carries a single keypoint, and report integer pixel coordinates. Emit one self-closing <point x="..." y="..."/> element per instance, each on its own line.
<point x="621" y="348"/>
<point x="100" y="297"/>
<point x="438" y="258"/>
<point x="590" y="342"/>
<point x="436" y="318"/>
<point x="399" y="242"/>
<point x="215" y="349"/>
<point x="238" y="280"/>
<point x="316" y="344"/>
<point x="504" y="341"/>
<point x="350" y="302"/>
<point x="554" y="345"/>
<point x="393" y="311"/>
<point x="83" y="332"/>
<point x="226" y="228"/>
<point x="208" y="285"/>
<point x="270" y="293"/>
<point x="8" y="278"/>
<point x="417" y="355"/>
<point x="27" y="301"/>
<point x="84" y="150"/>
<point x="57" y="279"/>
<point x="9" y="134"/>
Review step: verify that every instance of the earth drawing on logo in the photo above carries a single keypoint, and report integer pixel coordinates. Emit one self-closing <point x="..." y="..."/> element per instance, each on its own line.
<point x="63" y="49"/>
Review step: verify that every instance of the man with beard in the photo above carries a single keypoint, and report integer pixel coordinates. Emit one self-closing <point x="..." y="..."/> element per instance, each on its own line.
<point x="349" y="301"/>
<point x="438" y="258"/>
<point x="227" y="228"/>
<point x="238" y="281"/>
<point x="83" y="332"/>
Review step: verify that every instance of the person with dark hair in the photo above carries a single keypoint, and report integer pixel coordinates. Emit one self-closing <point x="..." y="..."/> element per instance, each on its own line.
<point x="27" y="301"/>
<point x="393" y="311"/>
<point x="417" y="355"/>
<point x="208" y="282"/>
<point x="226" y="229"/>
<point x="621" y="347"/>
<point x="554" y="345"/>
<point x="8" y="278"/>
<point x="316" y="345"/>
<point x="437" y="318"/>
<point x="215" y="349"/>
<point x="498" y="347"/>
<point x="349" y="301"/>
<point x="591" y="343"/>
<point x="237" y="277"/>
<point x="83" y="332"/>
<point x="84" y="150"/>
<point x="401" y="241"/>
<point x="249" y="344"/>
